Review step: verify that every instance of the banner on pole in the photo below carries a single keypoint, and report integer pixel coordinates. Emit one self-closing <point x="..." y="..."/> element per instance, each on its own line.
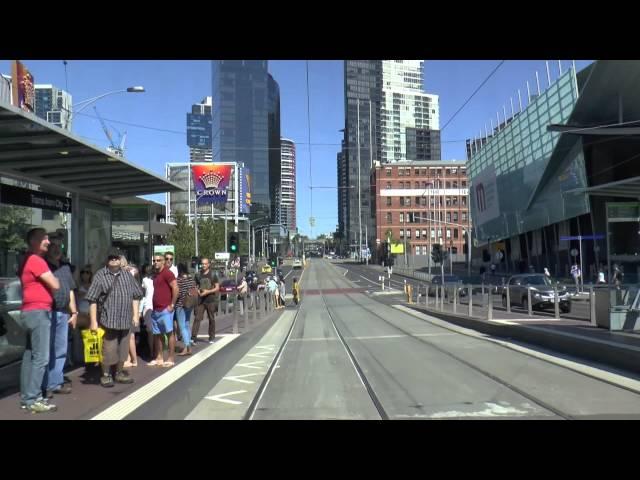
<point x="211" y="182"/>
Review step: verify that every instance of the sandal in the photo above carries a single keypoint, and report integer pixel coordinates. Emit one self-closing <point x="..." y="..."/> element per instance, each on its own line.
<point x="168" y="364"/>
<point x="155" y="363"/>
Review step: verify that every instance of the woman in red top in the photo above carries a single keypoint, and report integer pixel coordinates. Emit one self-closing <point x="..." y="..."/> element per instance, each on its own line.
<point x="38" y="283"/>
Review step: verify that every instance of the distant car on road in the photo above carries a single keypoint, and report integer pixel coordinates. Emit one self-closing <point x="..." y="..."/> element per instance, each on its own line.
<point x="542" y="295"/>
<point x="297" y="263"/>
<point x="267" y="269"/>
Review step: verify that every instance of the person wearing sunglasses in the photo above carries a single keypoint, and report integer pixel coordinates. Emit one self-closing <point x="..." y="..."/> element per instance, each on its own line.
<point x="114" y="295"/>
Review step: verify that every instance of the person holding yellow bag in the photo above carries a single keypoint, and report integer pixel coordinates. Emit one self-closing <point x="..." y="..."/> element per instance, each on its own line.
<point x="114" y="297"/>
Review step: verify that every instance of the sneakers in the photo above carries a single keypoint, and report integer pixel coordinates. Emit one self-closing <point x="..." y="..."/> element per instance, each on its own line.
<point x="64" y="389"/>
<point x="106" y="381"/>
<point x="123" y="377"/>
<point x="41" y="407"/>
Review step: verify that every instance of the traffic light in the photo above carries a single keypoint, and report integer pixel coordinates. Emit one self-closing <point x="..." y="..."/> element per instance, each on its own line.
<point x="233" y="243"/>
<point x="195" y="261"/>
<point x="273" y="262"/>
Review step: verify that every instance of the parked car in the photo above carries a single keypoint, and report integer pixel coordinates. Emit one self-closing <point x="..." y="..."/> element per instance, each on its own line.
<point x="297" y="263"/>
<point x="436" y="282"/>
<point x="267" y="269"/>
<point x="542" y="295"/>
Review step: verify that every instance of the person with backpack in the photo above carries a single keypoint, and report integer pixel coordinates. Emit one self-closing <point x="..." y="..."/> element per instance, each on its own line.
<point x="188" y="299"/>
<point x="64" y="313"/>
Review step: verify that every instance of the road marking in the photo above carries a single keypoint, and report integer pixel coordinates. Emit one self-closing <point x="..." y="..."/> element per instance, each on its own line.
<point x="124" y="407"/>
<point x="239" y="378"/>
<point x="345" y="273"/>
<point x="268" y="347"/>
<point x="259" y="355"/>
<point x="251" y="364"/>
<point x="594" y="372"/>
<point x="220" y="398"/>
<point x="370" y="281"/>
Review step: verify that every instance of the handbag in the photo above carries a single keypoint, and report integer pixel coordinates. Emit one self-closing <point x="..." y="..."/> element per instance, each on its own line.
<point x="191" y="298"/>
<point x="92" y="345"/>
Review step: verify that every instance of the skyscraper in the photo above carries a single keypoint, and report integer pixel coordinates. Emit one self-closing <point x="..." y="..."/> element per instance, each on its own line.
<point x="199" y="125"/>
<point x="408" y="116"/>
<point x="54" y="105"/>
<point x="362" y="85"/>
<point x="288" y="184"/>
<point x="388" y="118"/>
<point x="246" y="126"/>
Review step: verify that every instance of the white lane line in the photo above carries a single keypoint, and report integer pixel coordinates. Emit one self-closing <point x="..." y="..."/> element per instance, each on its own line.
<point x="124" y="407"/>
<point x="220" y="398"/>
<point x="240" y="378"/>
<point x="370" y="281"/>
<point x="259" y="355"/>
<point x="251" y="364"/>
<point x="345" y="273"/>
<point x="268" y="347"/>
<point x="588" y="370"/>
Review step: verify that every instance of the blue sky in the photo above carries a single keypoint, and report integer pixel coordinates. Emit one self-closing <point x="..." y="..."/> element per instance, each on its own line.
<point x="173" y="86"/>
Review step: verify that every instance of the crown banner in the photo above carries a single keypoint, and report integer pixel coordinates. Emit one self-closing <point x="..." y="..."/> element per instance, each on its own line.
<point x="211" y="182"/>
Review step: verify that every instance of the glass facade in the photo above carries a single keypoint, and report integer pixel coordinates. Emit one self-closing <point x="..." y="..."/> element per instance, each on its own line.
<point x="519" y="155"/>
<point x="246" y="125"/>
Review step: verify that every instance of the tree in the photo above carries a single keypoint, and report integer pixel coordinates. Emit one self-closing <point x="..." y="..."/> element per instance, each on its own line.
<point x="210" y="237"/>
<point x="14" y="224"/>
<point x="438" y="255"/>
<point x="182" y="237"/>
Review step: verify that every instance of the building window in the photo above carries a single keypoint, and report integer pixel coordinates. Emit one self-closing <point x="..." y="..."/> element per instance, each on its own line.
<point x="417" y="234"/>
<point x="455" y="216"/>
<point x="455" y="233"/>
<point x="448" y="201"/>
<point x="388" y="171"/>
<point x="389" y="218"/>
<point x="418" y="201"/>
<point x="455" y="184"/>
<point x="409" y="233"/>
<point x="401" y="217"/>
<point x="454" y="250"/>
<point x="454" y="200"/>
<point x="464" y="216"/>
<point x="448" y="216"/>
<point x="447" y="185"/>
<point x="417" y="185"/>
<point x="448" y="171"/>
<point x="423" y="172"/>
<point x="448" y="233"/>
<point x="401" y="172"/>
<point x="464" y="201"/>
<point x="388" y="201"/>
<point x="463" y="183"/>
<point x="433" y="234"/>
<point x="388" y="185"/>
<point x="401" y="233"/>
<point x="402" y="201"/>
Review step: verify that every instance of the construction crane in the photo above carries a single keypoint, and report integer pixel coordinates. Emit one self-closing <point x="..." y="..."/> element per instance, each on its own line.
<point x="117" y="149"/>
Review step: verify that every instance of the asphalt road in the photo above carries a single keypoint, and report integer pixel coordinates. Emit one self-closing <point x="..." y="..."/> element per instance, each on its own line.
<point x="350" y="356"/>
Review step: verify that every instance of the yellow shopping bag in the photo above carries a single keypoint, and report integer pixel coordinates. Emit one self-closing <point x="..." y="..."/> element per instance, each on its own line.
<point x="92" y="345"/>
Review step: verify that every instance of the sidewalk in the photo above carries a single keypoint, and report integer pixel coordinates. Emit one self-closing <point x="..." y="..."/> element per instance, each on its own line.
<point x="618" y="350"/>
<point x="89" y="398"/>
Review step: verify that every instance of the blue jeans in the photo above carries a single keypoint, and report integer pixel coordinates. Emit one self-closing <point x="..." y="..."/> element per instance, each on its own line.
<point x="58" y="344"/>
<point x="37" y="326"/>
<point x="183" y="315"/>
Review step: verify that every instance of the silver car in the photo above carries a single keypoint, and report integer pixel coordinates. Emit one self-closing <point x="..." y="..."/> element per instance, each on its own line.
<point x="542" y="295"/>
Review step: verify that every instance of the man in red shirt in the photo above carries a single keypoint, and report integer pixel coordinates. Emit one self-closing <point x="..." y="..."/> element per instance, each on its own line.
<point x="165" y="295"/>
<point x="38" y="283"/>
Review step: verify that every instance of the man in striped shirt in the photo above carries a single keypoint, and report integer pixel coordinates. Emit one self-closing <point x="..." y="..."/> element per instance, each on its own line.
<point x="118" y="295"/>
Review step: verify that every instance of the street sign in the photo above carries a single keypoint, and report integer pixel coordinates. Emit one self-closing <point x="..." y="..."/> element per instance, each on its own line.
<point x="597" y="236"/>
<point x="222" y="255"/>
<point x="377" y="241"/>
<point x="162" y="249"/>
<point x="499" y="256"/>
<point x="574" y="252"/>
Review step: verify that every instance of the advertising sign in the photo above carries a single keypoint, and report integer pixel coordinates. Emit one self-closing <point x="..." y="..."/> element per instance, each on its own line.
<point x="245" y="189"/>
<point x="485" y="196"/>
<point x="397" y="247"/>
<point x="210" y="182"/>
<point x="162" y="249"/>
<point x="24" y="93"/>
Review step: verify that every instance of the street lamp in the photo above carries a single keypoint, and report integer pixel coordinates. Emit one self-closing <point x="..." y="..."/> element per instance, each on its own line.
<point x="78" y="107"/>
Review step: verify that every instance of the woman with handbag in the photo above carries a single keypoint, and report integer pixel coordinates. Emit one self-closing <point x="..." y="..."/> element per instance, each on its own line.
<point x="187" y="300"/>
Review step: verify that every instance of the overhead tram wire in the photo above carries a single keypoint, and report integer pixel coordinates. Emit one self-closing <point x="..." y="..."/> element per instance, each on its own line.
<point x="309" y="145"/>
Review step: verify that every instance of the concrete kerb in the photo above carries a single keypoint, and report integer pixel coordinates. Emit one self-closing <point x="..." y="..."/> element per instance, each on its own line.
<point x="623" y="357"/>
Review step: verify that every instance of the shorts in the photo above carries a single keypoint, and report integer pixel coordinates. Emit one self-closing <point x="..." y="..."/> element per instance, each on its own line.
<point x="115" y="346"/>
<point x="161" y="322"/>
<point x="148" y="322"/>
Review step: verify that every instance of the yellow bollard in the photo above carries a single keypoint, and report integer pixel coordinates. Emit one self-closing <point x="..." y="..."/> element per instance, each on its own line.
<point x="410" y="294"/>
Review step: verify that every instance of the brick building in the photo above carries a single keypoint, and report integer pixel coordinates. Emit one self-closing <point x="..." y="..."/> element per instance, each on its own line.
<point x="413" y="197"/>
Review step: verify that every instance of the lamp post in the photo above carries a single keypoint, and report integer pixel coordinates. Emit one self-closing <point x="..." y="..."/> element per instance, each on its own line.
<point x="78" y="107"/>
